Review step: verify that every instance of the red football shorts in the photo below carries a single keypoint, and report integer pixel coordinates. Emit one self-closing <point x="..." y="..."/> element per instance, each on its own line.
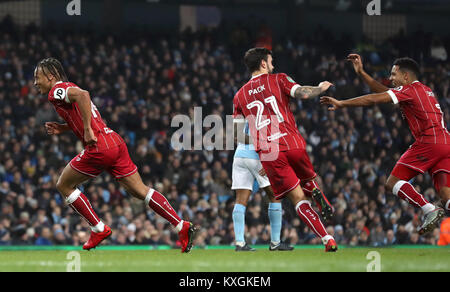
<point x="421" y="158"/>
<point x="286" y="172"/>
<point x="116" y="161"/>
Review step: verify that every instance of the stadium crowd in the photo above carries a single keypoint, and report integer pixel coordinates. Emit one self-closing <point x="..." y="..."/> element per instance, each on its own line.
<point x="139" y="82"/>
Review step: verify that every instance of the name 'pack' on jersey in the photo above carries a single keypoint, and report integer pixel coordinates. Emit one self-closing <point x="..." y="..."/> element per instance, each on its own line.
<point x="70" y="112"/>
<point x="264" y="102"/>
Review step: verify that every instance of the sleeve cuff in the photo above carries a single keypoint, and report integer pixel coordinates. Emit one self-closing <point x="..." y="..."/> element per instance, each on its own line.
<point x="66" y="98"/>
<point x="392" y="95"/>
<point x="293" y="89"/>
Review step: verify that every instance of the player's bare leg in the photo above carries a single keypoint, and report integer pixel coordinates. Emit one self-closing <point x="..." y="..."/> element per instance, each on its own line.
<point x="444" y="193"/>
<point x="311" y="218"/>
<point x="442" y="185"/>
<point x="242" y="196"/>
<point x="404" y="190"/>
<point x="67" y="186"/>
<point x="240" y="205"/>
<point x="69" y="180"/>
<point x="134" y="185"/>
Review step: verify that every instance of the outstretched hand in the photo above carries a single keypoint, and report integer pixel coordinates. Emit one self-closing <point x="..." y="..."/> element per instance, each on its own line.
<point x="356" y="62"/>
<point x="335" y="104"/>
<point x="324" y="85"/>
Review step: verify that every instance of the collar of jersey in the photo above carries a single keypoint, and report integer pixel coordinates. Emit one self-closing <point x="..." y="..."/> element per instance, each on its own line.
<point x="57" y="84"/>
<point x="253" y="77"/>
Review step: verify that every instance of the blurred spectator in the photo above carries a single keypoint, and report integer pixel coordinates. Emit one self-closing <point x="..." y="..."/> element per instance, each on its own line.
<point x="444" y="238"/>
<point x="377" y="235"/>
<point x="45" y="237"/>
<point x="390" y="238"/>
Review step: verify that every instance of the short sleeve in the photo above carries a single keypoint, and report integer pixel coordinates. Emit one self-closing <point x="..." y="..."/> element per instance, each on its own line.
<point x="60" y="91"/>
<point x="287" y="84"/>
<point x="400" y="94"/>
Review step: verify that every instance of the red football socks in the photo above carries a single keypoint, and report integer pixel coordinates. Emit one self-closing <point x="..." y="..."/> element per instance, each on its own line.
<point x="80" y="204"/>
<point x="162" y="207"/>
<point x="406" y="191"/>
<point x="310" y="217"/>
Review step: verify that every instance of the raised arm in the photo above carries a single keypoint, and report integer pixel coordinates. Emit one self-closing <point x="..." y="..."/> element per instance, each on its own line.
<point x="374" y="85"/>
<point x="305" y="92"/>
<point x="365" y="100"/>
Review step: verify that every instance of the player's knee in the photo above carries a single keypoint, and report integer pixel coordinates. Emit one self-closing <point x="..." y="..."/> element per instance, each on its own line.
<point x="242" y="196"/>
<point x="270" y="195"/>
<point x="272" y="199"/>
<point x="138" y="191"/>
<point x="444" y="193"/>
<point x="241" y="201"/>
<point x="390" y="183"/>
<point x="64" y="188"/>
<point x="131" y="191"/>
<point x="60" y="186"/>
<point x="442" y="185"/>
<point x="388" y="186"/>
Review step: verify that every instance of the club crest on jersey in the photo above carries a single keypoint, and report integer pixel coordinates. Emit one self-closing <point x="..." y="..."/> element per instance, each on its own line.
<point x="257" y="90"/>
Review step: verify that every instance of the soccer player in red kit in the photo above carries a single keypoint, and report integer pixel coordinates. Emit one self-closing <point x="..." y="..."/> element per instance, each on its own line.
<point x="431" y="150"/>
<point x="104" y="149"/>
<point x="264" y="102"/>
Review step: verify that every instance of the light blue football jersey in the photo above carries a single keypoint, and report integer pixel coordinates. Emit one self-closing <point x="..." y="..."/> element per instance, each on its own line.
<point x="246" y="150"/>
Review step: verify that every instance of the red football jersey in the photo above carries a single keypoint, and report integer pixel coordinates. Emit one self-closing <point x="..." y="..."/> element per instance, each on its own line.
<point x="423" y="113"/>
<point x="264" y="102"/>
<point x="70" y="112"/>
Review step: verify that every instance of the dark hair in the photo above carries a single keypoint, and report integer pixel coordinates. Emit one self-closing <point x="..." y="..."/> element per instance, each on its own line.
<point x="53" y="67"/>
<point x="253" y="58"/>
<point x="408" y="64"/>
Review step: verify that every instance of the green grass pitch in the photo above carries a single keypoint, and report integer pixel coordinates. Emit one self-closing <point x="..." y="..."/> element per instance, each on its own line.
<point x="227" y="260"/>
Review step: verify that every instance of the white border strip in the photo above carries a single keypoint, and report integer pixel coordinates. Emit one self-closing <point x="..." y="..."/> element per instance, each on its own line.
<point x="293" y="89"/>
<point x="392" y="95"/>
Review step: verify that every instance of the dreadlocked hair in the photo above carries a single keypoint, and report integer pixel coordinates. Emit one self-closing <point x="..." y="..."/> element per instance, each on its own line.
<point x="51" y="66"/>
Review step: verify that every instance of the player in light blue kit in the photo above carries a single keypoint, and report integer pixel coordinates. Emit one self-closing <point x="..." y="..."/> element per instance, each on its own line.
<point x="247" y="168"/>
